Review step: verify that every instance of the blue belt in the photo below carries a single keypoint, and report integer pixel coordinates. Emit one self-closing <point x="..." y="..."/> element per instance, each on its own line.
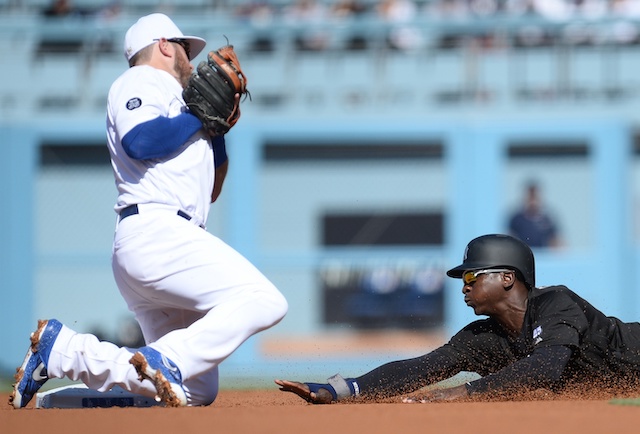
<point x="133" y="210"/>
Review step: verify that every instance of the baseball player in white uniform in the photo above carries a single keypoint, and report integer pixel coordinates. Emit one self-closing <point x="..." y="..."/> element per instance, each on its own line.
<point x="196" y="299"/>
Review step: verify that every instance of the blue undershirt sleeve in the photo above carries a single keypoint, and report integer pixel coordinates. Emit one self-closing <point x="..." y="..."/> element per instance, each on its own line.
<point x="160" y="137"/>
<point x="219" y="151"/>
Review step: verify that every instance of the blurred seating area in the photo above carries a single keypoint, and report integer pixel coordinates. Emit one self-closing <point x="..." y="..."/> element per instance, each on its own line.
<point x="369" y="56"/>
<point x="334" y="10"/>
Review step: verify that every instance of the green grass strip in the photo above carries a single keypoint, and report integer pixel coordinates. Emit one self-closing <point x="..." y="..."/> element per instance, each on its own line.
<point x="627" y="401"/>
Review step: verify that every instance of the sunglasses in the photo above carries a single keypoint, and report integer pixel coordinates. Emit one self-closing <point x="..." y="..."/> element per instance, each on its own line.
<point x="184" y="44"/>
<point x="468" y="277"/>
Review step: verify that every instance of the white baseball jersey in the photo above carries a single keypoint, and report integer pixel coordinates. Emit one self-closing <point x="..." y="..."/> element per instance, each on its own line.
<point x="183" y="180"/>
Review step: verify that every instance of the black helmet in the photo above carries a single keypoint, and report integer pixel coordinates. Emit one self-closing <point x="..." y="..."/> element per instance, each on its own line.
<point x="498" y="251"/>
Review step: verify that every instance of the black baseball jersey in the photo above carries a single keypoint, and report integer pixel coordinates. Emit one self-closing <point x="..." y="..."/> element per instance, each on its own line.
<point x="564" y="340"/>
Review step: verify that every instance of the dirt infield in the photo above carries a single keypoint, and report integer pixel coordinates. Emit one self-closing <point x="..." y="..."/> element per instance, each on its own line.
<point x="272" y="411"/>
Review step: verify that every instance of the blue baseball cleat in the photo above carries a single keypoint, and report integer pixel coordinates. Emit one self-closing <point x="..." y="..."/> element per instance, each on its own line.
<point x="33" y="373"/>
<point x="164" y="374"/>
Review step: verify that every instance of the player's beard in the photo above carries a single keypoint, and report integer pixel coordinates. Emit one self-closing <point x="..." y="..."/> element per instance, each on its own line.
<point x="182" y="69"/>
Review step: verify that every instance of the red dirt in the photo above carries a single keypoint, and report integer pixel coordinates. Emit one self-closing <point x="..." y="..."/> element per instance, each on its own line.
<point x="272" y="411"/>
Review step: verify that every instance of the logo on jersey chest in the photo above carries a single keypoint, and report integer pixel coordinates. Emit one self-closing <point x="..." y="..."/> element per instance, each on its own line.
<point x="537" y="332"/>
<point x="134" y="103"/>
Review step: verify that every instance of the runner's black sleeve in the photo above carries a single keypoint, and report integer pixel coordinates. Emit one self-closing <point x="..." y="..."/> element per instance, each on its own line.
<point x="542" y="368"/>
<point x="405" y="376"/>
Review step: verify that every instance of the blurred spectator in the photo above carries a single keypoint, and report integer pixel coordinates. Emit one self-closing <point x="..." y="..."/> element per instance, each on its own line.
<point x="259" y="13"/>
<point x="484" y="8"/>
<point x="63" y="8"/>
<point x="518" y="8"/>
<point x="347" y="9"/>
<point x="109" y="12"/>
<point x="396" y="10"/>
<point x="532" y="224"/>
<point x="402" y="36"/>
<point x="103" y="41"/>
<point x="624" y="8"/>
<point x="447" y="9"/>
<point x="58" y="8"/>
<point x="310" y="15"/>
<point x="593" y="9"/>
<point x="552" y="9"/>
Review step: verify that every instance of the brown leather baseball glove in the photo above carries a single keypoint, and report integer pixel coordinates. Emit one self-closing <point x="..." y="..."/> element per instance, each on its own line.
<point x="214" y="91"/>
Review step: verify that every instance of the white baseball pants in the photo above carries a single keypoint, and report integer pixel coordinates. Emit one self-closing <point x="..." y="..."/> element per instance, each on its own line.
<point x="196" y="300"/>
